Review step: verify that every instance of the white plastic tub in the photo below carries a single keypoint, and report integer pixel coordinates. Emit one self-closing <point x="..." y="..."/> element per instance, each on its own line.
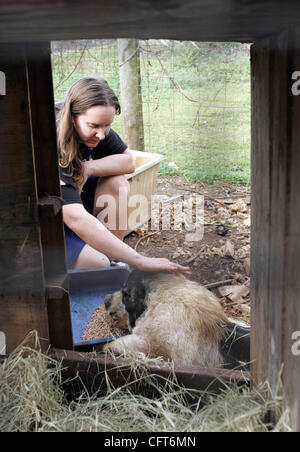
<point x="143" y="182"/>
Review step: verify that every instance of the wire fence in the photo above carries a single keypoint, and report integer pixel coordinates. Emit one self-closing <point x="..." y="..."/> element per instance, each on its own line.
<point x="195" y="100"/>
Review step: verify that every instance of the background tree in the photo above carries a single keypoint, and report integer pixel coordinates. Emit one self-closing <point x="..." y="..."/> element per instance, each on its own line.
<point x="131" y="94"/>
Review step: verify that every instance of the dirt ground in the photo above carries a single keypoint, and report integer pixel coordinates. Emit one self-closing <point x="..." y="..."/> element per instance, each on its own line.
<point x="215" y="258"/>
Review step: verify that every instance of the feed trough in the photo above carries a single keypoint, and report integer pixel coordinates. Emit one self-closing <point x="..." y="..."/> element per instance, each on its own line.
<point x="87" y="291"/>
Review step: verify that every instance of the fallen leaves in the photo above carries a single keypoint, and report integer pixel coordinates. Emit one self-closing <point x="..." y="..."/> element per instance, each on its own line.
<point x="236" y="298"/>
<point x="227" y="250"/>
<point x="239" y="206"/>
<point x="243" y="252"/>
<point x="247" y="266"/>
<point x="235" y="293"/>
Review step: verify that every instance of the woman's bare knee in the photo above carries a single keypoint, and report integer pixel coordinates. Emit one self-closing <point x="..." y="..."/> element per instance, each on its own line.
<point x="112" y="184"/>
<point x="117" y="187"/>
<point x="111" y="203"/>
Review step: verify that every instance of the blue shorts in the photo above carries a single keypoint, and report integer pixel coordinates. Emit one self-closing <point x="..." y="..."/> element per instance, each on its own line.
<point x="74" y="244"/>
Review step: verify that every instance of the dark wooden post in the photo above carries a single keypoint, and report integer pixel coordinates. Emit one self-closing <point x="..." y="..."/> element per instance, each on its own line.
<point x="41" y="102"/>
<point x="276" y="213"/>
<point x="22" y="301"/>
<point x="31" y="237"/>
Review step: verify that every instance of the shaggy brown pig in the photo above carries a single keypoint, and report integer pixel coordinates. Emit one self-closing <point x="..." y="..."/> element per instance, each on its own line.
<point x="177" y="319"/>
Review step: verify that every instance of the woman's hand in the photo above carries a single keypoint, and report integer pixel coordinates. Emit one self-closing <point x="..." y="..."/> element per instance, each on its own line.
<point x="153" y="264"/>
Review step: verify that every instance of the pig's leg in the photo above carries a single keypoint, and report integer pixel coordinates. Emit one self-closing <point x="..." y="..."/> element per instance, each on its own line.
<point x="128" y="343"/>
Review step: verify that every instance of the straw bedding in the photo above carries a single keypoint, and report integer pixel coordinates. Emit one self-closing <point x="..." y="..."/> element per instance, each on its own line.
<point x="32" y="399"/>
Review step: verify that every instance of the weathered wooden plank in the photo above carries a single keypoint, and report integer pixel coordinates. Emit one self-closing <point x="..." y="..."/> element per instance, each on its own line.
<point x="275" y="213"/>
<point x="91" y="368"/>
<point x="206" y="20"/>
<point x="291" y="312"/>
<point x="41" y="101"/>
<point x="42" y="114"/>
<point x="279" y="174"/>
<point x="260" y="223"/>
<point x="22" y="301"/>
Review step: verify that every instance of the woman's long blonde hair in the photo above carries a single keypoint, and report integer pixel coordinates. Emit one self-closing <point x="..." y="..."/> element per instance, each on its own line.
<point x="87" y="92"/>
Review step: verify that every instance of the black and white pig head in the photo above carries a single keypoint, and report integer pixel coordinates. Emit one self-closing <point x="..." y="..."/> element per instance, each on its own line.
<point x="135" y="296"/>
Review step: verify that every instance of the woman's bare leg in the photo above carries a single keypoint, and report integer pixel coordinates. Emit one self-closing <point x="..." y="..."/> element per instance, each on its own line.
<point x="118" y="189"/>
<point x="90" y="258"/>
<point x="107" y="186"/>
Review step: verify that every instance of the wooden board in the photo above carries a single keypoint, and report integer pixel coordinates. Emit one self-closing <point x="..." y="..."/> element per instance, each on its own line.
<point x="22" y="301"/>
<point x="33" y="274"/>
<point x="291" y="311"/>
<point x="91" y="368"/>
<point x="275" y="250"/>
<point x="42" y="114"/>
<point x="206" y="20"/>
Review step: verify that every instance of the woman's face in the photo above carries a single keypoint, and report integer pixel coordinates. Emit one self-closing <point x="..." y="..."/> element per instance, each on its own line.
<point x="93" y="125"/>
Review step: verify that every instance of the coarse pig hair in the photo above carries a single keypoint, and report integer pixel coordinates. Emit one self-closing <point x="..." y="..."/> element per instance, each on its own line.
<point x="177" y="319"/>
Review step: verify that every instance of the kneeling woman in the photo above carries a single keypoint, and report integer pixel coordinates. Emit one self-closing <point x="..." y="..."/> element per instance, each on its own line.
<point x="93" y="163"/>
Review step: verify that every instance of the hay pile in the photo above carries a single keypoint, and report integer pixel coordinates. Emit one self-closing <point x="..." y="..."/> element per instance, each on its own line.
<point x="31" y="399"/>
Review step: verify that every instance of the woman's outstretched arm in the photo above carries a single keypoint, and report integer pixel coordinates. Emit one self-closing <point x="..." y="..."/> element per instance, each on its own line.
<point x="95" y="234"/>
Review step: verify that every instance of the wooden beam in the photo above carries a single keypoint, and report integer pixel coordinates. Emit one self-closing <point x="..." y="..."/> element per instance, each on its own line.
<point x="275" y="251"/>
<point x="291" y="312"/>
<point x="42" y="114"/>
<point x="203" y="20"/>
<point x="33" y="273"/>
<point x="91" y="369"/>
<point x="22" y="301"/>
